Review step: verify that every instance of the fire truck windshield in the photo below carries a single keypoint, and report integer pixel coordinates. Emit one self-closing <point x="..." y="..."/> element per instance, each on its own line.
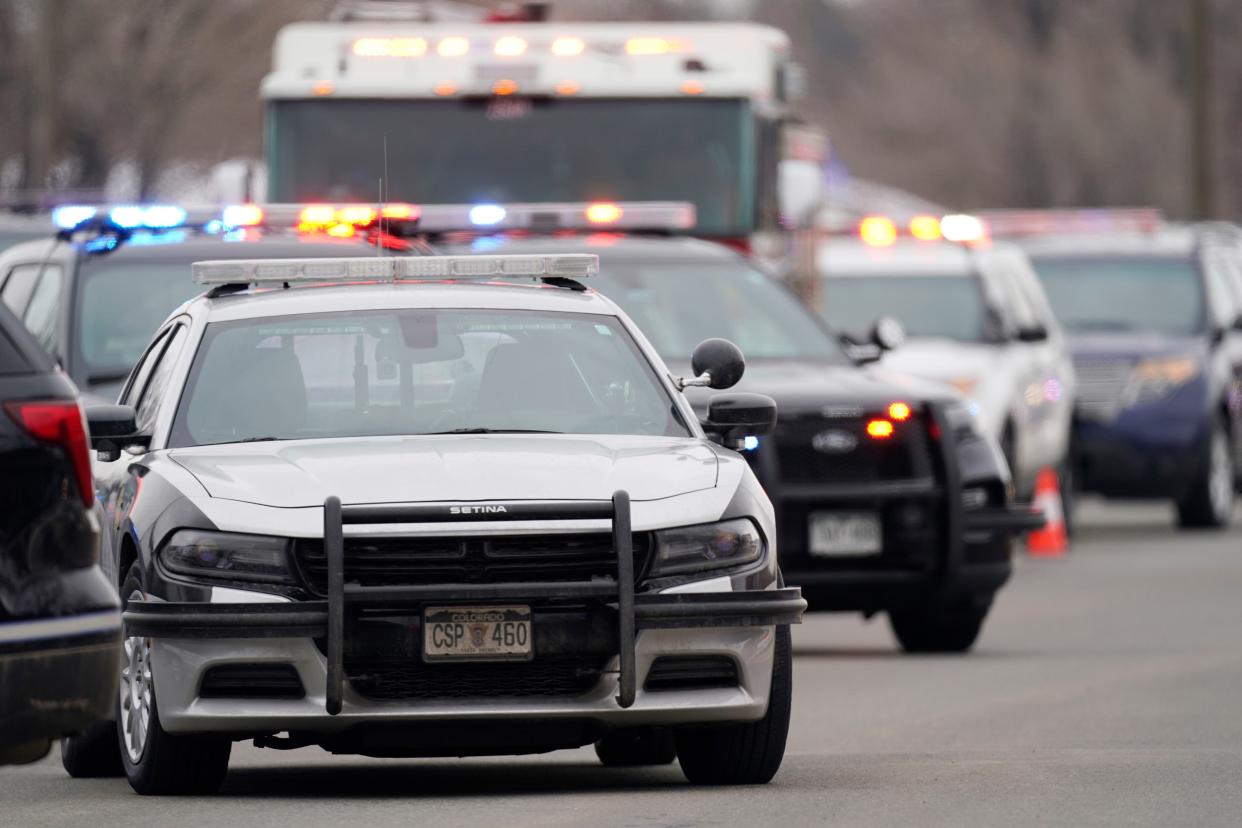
<point x="508" y="149"/>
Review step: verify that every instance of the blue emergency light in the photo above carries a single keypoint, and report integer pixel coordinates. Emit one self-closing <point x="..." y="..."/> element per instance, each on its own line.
<point x="485" y="215"/>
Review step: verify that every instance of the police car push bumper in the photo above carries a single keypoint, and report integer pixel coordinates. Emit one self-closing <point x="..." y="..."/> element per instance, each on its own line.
<point x="326" y="618"/>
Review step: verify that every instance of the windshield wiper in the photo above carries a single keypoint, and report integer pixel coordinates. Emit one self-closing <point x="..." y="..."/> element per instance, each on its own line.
<point x="257" y="439"/>
<point x="479" y="430"/>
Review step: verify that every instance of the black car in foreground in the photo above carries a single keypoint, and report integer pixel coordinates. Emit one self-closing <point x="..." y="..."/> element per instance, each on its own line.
<point x="888" y="498"/>
<point x="59" y="617"/>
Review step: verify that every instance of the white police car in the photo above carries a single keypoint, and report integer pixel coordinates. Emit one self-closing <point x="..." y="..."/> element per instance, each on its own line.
<point x="975" y="316"/>
<point x="426" y="509"/>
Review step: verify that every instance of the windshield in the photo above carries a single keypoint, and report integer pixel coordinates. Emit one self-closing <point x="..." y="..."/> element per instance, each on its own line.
<point x="949" y="306"/>
<point x="679" y="304"/>
<point x="1092" y="295"/>
<point x="119" y="307"/>
<point x="512" y="150"/>
<point x="420" y="372"/>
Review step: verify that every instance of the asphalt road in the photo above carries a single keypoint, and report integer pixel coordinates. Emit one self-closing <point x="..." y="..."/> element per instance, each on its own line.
<point x="1106" y="690"/>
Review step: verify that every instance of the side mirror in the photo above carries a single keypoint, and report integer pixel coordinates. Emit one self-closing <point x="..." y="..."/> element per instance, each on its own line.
<point x="887" y="334"/>
<point x="113" y="427"/>
<point x="716" y="363"/>
<point x="1033" y="333"/>
<point x="800" y="190"/>
<point x="737" y="415"/>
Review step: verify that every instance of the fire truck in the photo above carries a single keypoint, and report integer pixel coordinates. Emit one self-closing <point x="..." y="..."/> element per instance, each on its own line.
<point x="411" y="110"/>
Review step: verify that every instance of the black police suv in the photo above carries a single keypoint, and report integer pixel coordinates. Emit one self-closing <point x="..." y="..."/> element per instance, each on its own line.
<point x="888" y="498"/>
<point x="1155" y="325"/>
<point x="59" y="618"/>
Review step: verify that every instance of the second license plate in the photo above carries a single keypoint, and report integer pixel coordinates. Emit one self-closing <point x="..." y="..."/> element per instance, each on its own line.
<point x="477" y="634"/>
<point x="844" y="533"/>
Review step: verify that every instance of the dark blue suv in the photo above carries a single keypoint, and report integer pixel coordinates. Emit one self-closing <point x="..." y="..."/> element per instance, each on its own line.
<point x="1155" y="327"/>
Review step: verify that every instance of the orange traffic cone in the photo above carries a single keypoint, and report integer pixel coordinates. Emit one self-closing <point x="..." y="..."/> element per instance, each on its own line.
<point x="1051" y="541"/>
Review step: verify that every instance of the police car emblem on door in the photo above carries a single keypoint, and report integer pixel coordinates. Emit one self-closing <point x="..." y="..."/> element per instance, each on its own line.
<point x="834" y="441"/>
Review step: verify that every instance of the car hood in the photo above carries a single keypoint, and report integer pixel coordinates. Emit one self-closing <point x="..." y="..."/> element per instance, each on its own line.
<point x="942" y="359"/>
<point x="1137" y="344"/>
<point x="299" y="473"/>
<point x="799" y="387"/>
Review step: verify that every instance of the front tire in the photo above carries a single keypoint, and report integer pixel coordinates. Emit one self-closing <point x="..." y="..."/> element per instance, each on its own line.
<point x="938" y="629"/>
<point x="748" y="753"/>
<point x="1209" y="502"/>
<point x="157" y="762"/>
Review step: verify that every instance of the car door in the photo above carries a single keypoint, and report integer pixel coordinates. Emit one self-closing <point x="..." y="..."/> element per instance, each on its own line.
<point x="1055" y="363"/>
<point x="1027" y="358"/>
<point x="117" y="481"/>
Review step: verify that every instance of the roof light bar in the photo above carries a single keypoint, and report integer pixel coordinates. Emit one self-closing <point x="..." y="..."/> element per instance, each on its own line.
<point x="242" y="215"/>
<point x="962" y="228"/>
<point x="1106" y="220"/>
<point x="567" y="46"/>
<point x="877" y="231"/>
<point x="487" y="215"/>
<point x="71" y="215"/>
<point x="670" y="216"/>
<point x="395" y="268"/>
<point x="133" y="216"/>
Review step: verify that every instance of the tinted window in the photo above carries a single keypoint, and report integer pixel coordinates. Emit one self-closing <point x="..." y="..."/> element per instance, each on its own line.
<point x="947" y="306"/>
<point x="679" y="304"/>
<point x="157" y="383"/>
<point x="19" y="286"/>
<point x="420" y="372"/>
<point x="1097" y="294"/>
<point x="119" y="306"/>
<point x="42" y="314"/>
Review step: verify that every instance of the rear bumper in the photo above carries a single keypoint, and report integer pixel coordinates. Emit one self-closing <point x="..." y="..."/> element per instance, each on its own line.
<point x="57" y="675"/>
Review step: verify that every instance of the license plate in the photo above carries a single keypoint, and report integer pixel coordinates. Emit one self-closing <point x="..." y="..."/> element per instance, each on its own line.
<point x="844" y="533"/>
<point x="477" y="634"/>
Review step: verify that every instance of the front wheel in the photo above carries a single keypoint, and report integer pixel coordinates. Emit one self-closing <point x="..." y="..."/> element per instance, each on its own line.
<point x="748" y="753"/>
<point x="157" y="762"/>
<point x="1209" y="502"/>
<point x="938" y="629"/>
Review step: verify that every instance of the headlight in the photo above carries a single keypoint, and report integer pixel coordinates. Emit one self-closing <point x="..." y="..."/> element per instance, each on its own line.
<point x="721" y="545"/>
<point x="1156" y="378"/>
<point x="224" y="556"/>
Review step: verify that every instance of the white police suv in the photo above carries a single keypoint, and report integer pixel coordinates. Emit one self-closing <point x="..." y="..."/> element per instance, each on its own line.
<point x="435" y="506"/>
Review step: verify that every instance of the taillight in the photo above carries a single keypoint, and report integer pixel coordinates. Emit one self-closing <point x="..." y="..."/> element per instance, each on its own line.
<point x="61" y="423"/>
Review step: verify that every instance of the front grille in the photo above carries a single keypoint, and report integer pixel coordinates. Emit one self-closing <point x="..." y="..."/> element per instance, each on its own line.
<point x="251" y="681"/>
<point x="691" y="673"/>
<point x="405" y="678"/>
<point x="1100" y="386"/>
<point x="501" y="559"/>
<point x="903" y="456"/>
